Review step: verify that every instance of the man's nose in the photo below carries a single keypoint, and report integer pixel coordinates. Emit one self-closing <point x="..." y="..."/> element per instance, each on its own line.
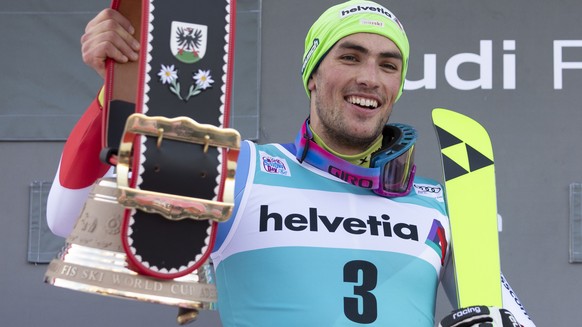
<point x="369" y="75"/>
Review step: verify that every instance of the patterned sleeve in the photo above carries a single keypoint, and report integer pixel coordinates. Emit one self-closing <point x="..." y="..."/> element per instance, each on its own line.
<point x="78" y="169"/>
<point x="510" y="300"/>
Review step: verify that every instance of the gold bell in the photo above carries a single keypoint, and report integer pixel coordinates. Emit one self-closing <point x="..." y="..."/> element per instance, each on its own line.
<point x="93" y="261"/>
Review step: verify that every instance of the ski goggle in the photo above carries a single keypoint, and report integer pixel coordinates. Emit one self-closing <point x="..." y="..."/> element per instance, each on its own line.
<point x="392" y="168"/>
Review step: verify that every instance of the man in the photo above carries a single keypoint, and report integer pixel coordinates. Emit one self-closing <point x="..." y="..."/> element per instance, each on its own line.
<point x="318" y="237"/>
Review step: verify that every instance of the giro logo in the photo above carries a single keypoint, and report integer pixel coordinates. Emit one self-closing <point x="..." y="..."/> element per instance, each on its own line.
<point x="314" y="222"/>
<point x="352" y="179"/>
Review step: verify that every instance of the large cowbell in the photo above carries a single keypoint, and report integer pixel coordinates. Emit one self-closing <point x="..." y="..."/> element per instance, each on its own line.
<point x="148" y="235"/>
<point x="93" y="260"/>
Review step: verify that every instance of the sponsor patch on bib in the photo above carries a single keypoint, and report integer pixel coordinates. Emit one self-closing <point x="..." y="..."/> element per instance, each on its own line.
<point x="429" y="190"/>
<point x="274" y="165"/>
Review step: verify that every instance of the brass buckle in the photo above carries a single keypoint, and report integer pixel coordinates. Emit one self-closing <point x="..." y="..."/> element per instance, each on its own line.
<point x="176" y="207"/>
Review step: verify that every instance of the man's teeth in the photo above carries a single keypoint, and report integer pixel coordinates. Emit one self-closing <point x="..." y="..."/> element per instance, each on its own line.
<point x="370" y="103"/>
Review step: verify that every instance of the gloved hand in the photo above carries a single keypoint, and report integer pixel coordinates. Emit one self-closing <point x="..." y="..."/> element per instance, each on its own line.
<point x="480" y="316"/>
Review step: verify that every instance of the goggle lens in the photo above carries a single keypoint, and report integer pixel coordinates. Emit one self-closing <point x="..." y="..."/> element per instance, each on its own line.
<point x="397" y="175"/>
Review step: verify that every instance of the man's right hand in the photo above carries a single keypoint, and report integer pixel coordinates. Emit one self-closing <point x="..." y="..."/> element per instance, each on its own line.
<point x="480" y="316"/>
<point x="108" y="35"/>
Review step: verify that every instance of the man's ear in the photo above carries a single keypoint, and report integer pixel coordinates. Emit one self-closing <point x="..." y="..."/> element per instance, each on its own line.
<point x="311" y="83"/>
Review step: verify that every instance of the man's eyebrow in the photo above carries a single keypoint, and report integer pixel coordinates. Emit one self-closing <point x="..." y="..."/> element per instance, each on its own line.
<point x="364" y="50"/>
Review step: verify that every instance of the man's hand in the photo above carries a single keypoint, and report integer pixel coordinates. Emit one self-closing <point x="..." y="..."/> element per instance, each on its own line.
<point x="480" y="316"/>
<point x="108" y="35"/>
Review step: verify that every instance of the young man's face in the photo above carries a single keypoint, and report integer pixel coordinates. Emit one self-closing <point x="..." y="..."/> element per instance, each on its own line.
<point x="353" y="91"/>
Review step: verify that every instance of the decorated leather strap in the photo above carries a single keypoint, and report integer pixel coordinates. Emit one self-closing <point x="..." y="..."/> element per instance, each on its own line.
<point x="176" y="158"/>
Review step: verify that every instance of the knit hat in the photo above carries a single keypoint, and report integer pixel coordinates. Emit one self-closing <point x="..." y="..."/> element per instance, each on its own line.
<point x="355" y="16"/>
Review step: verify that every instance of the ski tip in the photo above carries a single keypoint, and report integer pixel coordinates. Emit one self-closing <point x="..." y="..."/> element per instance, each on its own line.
<point x="447" y="113"/>
<point x="448" y="119"/>
<point x="438" y="110"/>
<point x="441" y="111"/>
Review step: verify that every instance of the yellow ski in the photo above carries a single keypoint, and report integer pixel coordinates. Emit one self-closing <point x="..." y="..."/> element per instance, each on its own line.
<point x="469" y="174"/>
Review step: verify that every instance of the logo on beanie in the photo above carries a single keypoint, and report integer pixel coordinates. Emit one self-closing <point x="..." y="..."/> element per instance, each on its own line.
<point x="371" y="9"/>
<point x="371" y="22"/>
<point x="309" y="54"/>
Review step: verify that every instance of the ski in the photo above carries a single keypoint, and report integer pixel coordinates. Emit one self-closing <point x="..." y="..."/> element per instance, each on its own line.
<point x="469" y="178"/>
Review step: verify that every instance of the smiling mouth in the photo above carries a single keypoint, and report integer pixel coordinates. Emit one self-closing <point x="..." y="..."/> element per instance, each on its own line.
<point x="362" y="102"/>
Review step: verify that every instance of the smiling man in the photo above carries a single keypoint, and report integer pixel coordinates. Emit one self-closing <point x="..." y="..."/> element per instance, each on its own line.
<point x="353" y="91"/>
<point x="334" y="229"/>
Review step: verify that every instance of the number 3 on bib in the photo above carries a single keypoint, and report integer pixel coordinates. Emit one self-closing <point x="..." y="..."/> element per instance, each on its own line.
<point x="362" y="307"/>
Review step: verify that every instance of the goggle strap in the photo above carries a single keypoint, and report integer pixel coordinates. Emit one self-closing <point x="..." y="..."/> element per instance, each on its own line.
<point x="309" y="151"/>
